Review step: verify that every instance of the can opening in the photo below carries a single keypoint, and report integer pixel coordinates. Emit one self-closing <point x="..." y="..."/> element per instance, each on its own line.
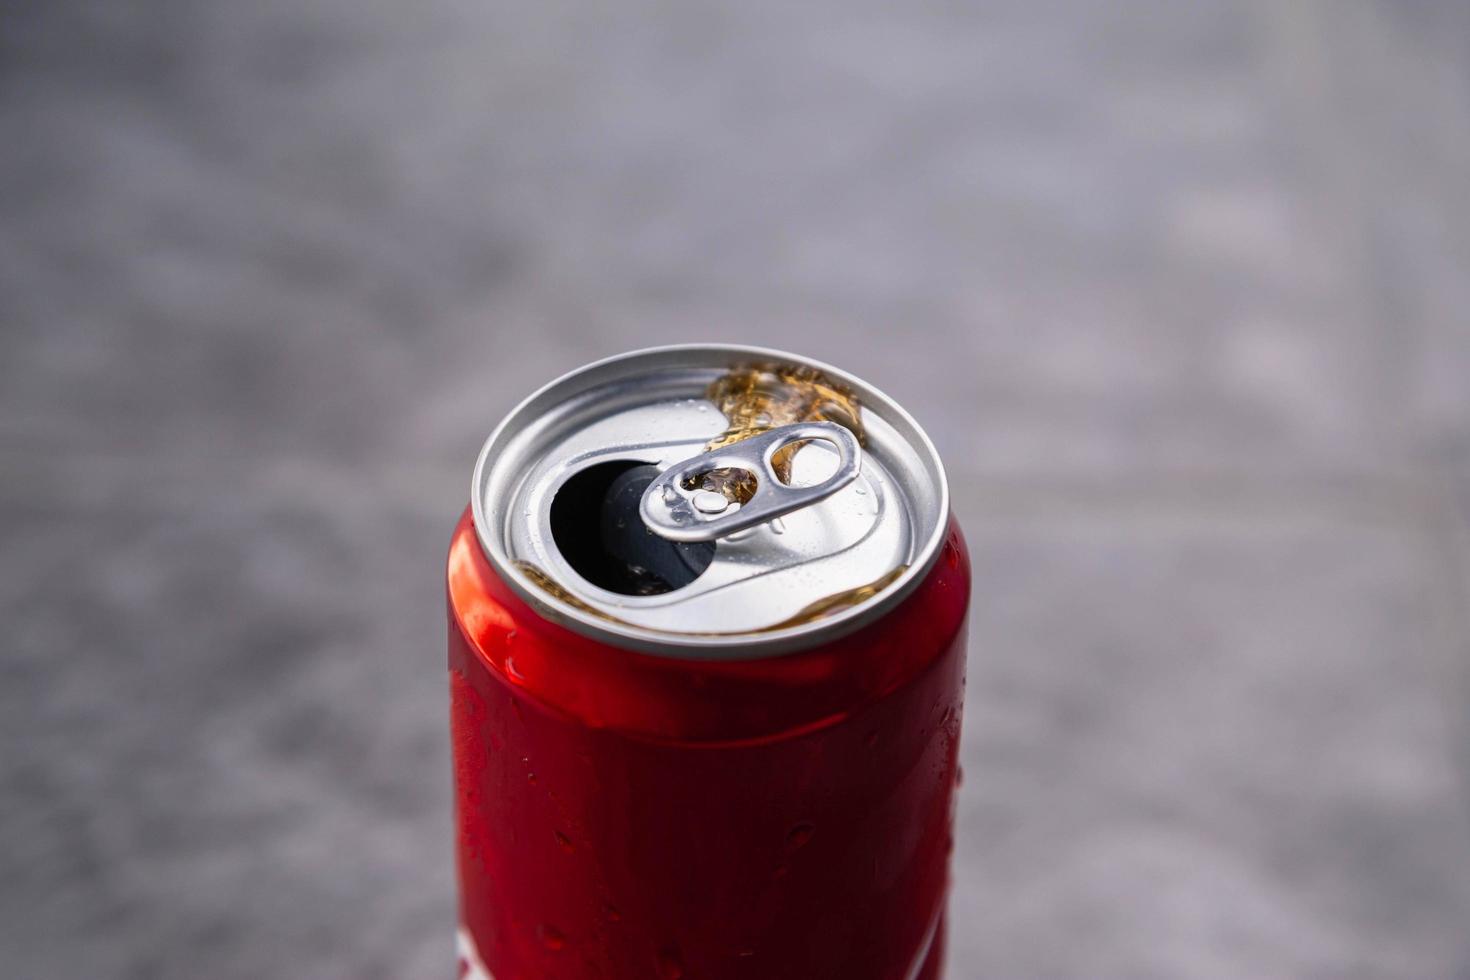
<point x="596" y="527"/>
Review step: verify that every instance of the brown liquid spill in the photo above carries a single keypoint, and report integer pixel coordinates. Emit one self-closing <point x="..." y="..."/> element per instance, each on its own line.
<point x="754" y="398"/>
<point x="828" y="605"/>
<point x="825" y="606"/>
<point x="552" y="587"/>
<point x="757" y="397"/>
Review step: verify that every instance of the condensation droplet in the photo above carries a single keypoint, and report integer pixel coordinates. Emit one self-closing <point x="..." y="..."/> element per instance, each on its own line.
<point x="670" y="964"/>
<point x="531" y="778"/>
<point x="513" y="670"/>
<point x="551" y="937"/>
<point x="613" y="915"/>
<point x="778" y="526"/>
<point x="671" y="496"/>
<point x="860" y="491"/>
<point x="564" y="842"/>
<point x="763" y="419"/>
<point x="797" y="837"/>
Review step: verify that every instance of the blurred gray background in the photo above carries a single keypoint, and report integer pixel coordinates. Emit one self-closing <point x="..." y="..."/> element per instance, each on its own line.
<point x="1179" y="289"/>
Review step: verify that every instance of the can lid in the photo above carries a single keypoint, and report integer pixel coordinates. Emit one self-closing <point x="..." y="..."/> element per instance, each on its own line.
<point x="710" y="501"/>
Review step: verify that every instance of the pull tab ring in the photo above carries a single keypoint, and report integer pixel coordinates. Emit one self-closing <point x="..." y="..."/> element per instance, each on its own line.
<point x="678" y="514"/>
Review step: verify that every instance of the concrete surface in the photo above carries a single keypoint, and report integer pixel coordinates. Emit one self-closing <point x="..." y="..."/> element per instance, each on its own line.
<point x="1179" y="289"/>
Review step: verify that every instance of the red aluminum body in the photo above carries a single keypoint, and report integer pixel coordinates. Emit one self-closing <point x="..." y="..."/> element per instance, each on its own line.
<point x="629" y="815"/>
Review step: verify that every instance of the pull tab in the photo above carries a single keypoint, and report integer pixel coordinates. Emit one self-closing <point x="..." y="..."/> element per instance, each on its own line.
<point x="672" y="512"/>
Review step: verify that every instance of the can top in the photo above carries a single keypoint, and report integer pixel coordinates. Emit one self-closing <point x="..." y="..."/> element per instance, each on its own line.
<point x="710" y="501"/>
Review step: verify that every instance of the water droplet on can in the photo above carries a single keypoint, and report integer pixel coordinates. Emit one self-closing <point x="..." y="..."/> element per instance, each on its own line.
<point x="798" y="836"/>
<point x="551" y="937"/>
<point x="670" y="964"/>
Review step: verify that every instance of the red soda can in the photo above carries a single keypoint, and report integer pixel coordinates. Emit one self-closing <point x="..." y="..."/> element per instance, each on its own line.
<point x="706" y="650"/>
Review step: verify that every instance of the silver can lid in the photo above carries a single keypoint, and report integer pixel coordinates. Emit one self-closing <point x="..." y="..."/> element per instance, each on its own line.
<point x="710" y="501"/>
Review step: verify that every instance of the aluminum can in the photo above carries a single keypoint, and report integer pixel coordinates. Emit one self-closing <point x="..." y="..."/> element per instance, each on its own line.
<point x="706" y="650"/>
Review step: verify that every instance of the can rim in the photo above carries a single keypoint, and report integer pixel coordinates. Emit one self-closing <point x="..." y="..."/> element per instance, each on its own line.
<point x="696" y="646"/>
